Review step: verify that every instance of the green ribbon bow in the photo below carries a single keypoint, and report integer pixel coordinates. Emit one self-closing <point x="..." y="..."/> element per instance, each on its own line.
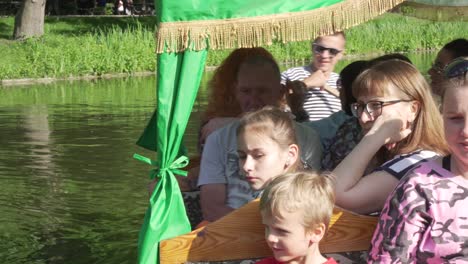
<point x="172" y="169"/>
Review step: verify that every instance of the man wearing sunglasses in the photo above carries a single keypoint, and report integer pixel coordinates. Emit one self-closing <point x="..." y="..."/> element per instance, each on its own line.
<point x="313" y="78"/>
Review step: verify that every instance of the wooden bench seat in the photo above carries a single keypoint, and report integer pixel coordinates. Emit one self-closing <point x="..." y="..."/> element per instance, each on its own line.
<point x="240" y="235"/>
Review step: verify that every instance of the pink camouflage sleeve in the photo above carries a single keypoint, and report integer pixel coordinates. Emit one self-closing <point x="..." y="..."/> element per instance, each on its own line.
<point x="424" y="220"/>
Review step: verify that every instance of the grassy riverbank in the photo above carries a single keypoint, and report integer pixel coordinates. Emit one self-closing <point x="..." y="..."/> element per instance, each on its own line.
<point x="79" y="46"/>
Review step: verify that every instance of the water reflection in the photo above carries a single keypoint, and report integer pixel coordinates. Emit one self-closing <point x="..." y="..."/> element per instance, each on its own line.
<point x="71" y="191"/>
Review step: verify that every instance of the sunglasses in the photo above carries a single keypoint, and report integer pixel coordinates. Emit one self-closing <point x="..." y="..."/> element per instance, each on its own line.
<point x="319" y="49"/>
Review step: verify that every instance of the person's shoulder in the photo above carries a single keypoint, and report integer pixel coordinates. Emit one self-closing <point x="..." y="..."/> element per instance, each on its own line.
<point x="400" y="165"/>
<point x="334" y="75"/>
<point x="228" y="129"/>
<point x="304" y="130"/>
<point x="426" y="177"/>
<point x="431" y="170"/>
<point x="224" y="136"/>
<point x="296" y="70"/>
<point x="402" y="161"/>
<point x="424" y="154"/>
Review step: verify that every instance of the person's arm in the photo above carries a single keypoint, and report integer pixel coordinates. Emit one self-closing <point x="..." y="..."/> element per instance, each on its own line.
<point x="369" y="193"/>
<point x="212" y="180"/>
<point x="213" y="201"/>
<point x="401" y="226"/>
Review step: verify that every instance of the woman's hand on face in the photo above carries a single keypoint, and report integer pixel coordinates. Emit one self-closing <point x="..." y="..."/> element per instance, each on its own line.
<point x="390" y="129"/>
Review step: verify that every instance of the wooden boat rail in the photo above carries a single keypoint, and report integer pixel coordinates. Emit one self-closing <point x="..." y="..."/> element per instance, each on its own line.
<point x="240" y="235"/>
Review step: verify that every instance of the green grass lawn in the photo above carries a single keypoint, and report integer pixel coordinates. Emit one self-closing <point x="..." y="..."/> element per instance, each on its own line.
<point x="78" y="46"/>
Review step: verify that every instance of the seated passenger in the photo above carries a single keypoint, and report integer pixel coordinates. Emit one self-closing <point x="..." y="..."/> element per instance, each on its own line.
<point x="223" y="106"/>
<point x="456" y="68"/>
<point x="318" y="77"/>
<point x="223" y="188"/>
<point x="425" y="218"/>
<point x="402" y="128"/>
<point x="348" y="134"/>
<point x="327" y="127"/>
<point x="266" y="146"/>
<point x="296" y="209"/>
<point x="452" y="50"/>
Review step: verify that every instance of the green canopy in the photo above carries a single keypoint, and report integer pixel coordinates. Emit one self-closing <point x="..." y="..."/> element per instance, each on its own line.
<point x="186" y="30"/>
<point x="442" y="2"/>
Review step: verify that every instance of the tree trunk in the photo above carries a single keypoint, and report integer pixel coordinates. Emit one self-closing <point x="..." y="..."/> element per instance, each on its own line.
<point x="29" y="20"/>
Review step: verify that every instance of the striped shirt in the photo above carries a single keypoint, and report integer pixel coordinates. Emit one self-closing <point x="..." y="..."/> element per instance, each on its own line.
<point x="318" y="104"/>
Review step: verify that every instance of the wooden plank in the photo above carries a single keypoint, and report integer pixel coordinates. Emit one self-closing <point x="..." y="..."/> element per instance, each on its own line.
<point x="240" y="235"/>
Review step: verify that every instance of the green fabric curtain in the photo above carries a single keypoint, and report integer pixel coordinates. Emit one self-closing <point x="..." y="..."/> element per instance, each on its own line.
<point x="178" y="78"/>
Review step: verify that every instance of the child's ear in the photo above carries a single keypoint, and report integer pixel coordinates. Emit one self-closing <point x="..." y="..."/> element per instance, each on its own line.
<point x="293" y="153"/>
<point x="316" y="234"/>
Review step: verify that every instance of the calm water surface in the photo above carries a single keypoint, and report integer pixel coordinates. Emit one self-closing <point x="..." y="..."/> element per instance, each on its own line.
<point x="70" y="190"/>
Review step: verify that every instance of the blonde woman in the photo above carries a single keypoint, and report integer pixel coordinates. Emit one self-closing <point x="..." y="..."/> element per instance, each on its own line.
<point x="425" y="218"/>
<point x="402" y="127"/>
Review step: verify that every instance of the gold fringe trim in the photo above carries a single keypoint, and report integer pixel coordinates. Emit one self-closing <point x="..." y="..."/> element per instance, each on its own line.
<point x="261" y="31"/>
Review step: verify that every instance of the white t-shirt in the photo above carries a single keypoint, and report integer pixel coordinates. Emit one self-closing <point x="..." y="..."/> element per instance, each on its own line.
<point x="318" y="103"/>
<point x="220" y="162"/>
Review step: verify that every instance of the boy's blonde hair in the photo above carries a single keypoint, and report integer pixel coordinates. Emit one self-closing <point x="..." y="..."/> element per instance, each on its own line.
<point x="310" y="193"/>
<point x="273" y="123"/>
<point x="427" y="130"/>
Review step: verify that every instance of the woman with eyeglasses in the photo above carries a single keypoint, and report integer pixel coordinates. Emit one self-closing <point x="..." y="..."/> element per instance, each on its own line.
<point x="425" y="218"/>
<point x="402" y="127"/>
<point x="348" y="134"/>
<point x="452" y="50"/>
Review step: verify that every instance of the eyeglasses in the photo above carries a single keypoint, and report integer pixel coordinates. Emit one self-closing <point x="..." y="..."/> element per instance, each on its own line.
<point x="319" y="49"/>
<point x="373" y="108"/>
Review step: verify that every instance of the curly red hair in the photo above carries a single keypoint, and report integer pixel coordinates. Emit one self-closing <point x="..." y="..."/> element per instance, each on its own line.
<point x="222" y="100"/>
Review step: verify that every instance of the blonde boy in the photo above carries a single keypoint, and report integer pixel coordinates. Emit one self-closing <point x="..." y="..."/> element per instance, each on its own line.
<point x="296" y="209"/>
